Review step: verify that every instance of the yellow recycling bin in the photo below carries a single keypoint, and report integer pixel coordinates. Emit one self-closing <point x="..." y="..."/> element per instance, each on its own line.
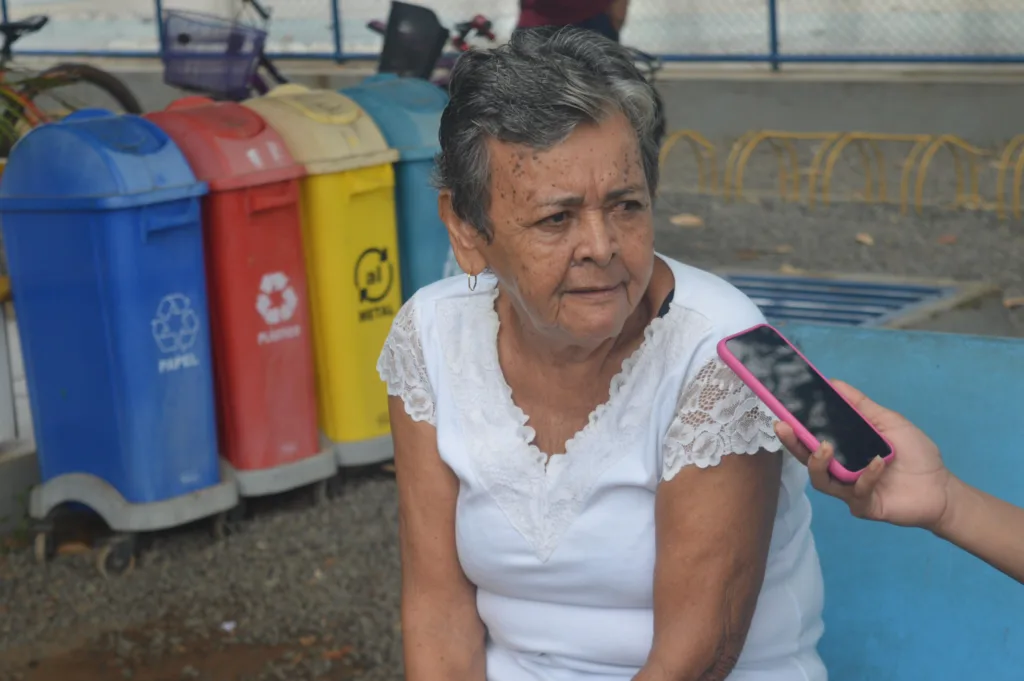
<point x="351" y="244"/>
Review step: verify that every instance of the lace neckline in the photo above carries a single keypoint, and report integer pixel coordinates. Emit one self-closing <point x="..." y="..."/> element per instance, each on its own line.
<point x="620" y="380"/>
<point x="541" y="499"/>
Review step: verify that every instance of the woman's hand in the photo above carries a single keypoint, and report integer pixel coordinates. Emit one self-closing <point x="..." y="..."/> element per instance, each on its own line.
<point x="911" y="490"/>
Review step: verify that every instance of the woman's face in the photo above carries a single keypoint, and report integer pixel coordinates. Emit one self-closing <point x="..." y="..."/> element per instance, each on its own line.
<point x="573" y="241"/>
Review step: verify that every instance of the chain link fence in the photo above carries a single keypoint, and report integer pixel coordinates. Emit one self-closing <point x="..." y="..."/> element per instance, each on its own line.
<point x="878" y="28"/>
<point x="120" y="27"/>
<point x="774" y="31"/>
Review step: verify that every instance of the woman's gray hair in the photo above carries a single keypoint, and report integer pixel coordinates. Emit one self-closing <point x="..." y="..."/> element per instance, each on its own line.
<point x="535" y="90"/>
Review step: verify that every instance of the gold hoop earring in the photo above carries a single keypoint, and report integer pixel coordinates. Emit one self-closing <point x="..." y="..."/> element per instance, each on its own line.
<point x="471" y="281"/>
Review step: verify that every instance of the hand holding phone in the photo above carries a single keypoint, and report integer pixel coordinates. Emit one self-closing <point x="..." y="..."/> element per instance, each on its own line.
<point x="800" y="396"/>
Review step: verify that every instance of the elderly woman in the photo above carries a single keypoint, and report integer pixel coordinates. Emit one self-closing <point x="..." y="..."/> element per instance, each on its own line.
<point x="586" y="492"/>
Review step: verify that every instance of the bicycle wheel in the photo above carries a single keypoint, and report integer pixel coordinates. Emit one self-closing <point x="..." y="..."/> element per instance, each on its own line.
<point x="64" y="88"/>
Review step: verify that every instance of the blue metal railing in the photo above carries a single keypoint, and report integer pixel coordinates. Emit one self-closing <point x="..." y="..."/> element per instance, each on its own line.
<point x="778" y="27"/>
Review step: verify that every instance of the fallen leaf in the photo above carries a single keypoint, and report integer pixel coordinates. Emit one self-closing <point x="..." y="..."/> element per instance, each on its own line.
<point x="783" y="249"/>
<point x="866" y="239"/>
<point x="73" y="548"/>
<point x="307" y="641"/>
<point x="687" y="220"/>
<point x="338" y="654"/>
<point x="1013" y="303"/>
<point x="789" y="269"/>
<point x="947" y="239"/>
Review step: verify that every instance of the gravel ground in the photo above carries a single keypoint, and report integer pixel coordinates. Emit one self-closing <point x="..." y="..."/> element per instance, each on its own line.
<point x="312" y="593"/>
<point x="300" y="593"/>
<point x="769" y="235"/>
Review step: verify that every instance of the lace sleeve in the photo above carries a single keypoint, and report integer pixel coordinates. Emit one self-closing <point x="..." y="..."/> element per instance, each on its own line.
<point x="401" y="366"/>
<point x="717" y="415"/>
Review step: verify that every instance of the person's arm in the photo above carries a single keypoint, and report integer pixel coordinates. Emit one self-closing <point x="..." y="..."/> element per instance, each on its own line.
<point x="443" y="636"/>
<point x="989" y="528"/>
<point x="916" y="490"/>
<point x="714" y="515"/>
<point x="617" y="13"/>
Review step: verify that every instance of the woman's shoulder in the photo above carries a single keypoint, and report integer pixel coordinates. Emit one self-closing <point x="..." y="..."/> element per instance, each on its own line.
<point x="723" y="307"/>
<point x="443" y="305"/>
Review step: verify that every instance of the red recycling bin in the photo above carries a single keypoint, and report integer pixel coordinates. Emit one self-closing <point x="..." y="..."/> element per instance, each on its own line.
<point x="263" y="358"/>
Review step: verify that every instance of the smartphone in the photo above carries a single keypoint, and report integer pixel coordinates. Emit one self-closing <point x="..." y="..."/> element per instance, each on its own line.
<point x="799" y="395"/>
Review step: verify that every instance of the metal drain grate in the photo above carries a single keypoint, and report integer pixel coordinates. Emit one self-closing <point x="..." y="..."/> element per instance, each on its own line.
<point x="847" y="302"/>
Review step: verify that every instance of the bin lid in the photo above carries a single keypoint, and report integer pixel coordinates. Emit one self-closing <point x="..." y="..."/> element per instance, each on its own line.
<point x="324" y="130"/>
<point x="407" y="110"/>
<point x="95" y="160"/>
<point x="228" y="145"/>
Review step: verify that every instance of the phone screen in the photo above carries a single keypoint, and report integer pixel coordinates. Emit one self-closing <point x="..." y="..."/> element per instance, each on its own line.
<point x="808" y="397"/>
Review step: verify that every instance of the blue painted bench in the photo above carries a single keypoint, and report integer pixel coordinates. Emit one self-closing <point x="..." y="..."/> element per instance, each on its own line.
<point x="900" y="604"/>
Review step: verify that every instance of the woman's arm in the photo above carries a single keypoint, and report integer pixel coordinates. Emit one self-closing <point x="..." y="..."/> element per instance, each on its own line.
<point x="714" y="527"/>
<point x="443" y="635"/>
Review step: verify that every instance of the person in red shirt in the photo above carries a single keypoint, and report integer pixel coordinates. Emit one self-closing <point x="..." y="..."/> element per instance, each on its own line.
<point x="602" y="16"/>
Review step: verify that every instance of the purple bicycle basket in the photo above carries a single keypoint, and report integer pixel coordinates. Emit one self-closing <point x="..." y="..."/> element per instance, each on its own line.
<point x="210" y="54"/>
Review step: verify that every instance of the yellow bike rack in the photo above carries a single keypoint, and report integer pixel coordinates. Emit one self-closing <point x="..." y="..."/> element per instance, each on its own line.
<point x="745" y="146"/>
<point x="705" y="153"/>
<point x="870" y="147"/>
<point x="954" y="144"/>
<point x="1016" y="145"/>
<point x="874" y="140"/>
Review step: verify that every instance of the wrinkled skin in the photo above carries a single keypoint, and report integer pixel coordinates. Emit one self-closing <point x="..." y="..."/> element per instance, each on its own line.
<point x="573" y="237"/>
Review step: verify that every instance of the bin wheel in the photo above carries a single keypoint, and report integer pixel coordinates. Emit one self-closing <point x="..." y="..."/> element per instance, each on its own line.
<point x="318" y="493"/>
<point x="45" y="546"/>
<point x="229" y="522"/>
<point x="335" y="486"/>
<point x="117" y="557"/>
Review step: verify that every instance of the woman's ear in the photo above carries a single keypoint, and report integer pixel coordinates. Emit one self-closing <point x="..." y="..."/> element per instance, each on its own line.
<point x="466" y="240"/>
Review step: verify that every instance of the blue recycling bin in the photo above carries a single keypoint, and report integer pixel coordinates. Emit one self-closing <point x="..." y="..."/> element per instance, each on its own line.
<point x="101" y="223"/>
<point x="408" y="113"/>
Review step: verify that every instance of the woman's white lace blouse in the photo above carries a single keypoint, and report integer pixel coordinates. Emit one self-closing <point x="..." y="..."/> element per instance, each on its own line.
<point x="562" y="550"/>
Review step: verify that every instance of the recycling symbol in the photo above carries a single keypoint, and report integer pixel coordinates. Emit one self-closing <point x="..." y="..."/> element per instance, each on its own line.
<point x="374" y="276"/>
<point x="276" y="283"/>
<point x="176" y="324"/>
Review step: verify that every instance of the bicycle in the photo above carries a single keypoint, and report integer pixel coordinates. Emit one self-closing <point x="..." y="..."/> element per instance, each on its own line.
<point x="221" y="57"/>
<point x="414" y="42"/>
<point x="36" y="99"/>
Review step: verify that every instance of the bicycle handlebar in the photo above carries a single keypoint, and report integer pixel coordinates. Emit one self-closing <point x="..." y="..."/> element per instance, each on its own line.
<point x="478" y="25"/>
<point x="260" y="9"/>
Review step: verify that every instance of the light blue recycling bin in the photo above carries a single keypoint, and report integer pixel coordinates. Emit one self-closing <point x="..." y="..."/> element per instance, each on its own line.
<point x="101" y="223"/>
<point x="408" y="113"/>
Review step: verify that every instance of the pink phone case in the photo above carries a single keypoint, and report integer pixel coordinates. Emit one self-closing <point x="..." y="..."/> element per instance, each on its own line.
<point x="802" y="434"/>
